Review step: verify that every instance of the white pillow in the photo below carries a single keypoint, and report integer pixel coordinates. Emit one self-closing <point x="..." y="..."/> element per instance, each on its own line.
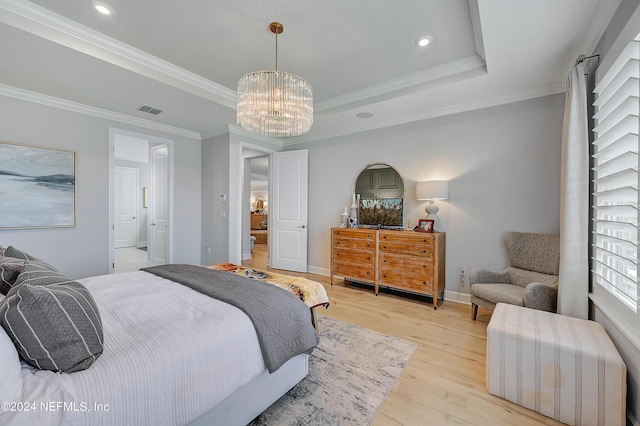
<point x="11" y="383"/>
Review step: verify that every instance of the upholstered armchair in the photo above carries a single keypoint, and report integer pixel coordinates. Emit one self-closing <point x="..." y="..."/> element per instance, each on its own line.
<point x="530" y="280"/>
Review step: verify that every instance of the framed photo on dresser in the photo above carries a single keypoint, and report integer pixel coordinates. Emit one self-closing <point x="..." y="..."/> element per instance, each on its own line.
<point x="425" y="225"/>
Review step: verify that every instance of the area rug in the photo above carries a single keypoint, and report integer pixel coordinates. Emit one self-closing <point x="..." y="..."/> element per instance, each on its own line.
<point x="350" y="375"/>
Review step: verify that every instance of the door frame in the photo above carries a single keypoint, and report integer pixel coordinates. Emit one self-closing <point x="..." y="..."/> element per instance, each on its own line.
<point x="236" y="186"/>
<point x="153" y="140"/>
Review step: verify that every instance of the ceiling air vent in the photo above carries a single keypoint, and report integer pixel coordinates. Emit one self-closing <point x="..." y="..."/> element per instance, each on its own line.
<point x="150" y="109"/>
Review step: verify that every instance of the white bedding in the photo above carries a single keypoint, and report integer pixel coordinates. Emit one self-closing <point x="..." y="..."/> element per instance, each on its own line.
<point x="170" y="355"/>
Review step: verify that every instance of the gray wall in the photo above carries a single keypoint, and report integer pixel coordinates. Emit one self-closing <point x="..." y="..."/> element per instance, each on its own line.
<point x="503" y="167"/>
<point x="215" y="181"/>
<point x="83" y="250"/>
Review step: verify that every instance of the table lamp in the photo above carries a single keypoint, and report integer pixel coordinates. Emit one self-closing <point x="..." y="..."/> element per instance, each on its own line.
<point x="431" y="190"/>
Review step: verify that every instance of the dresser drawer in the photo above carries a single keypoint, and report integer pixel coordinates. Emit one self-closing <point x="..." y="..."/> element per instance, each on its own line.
<point x="406" y="263"/>
<point x="350" y="270"/>
<point x="422" y="250"/>
<point x="360" y="244"/>
<point x="339" y="234"/>
<point x="407" y="237"/>
<point x="407" y="280"/>
<point x="354" y="256"/>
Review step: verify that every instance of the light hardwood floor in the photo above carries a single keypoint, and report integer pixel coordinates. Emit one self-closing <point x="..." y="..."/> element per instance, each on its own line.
<point x="444" y="383"/>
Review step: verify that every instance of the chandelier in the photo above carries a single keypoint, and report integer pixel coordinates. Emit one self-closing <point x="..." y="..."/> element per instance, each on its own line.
<point x="275" y="103"/>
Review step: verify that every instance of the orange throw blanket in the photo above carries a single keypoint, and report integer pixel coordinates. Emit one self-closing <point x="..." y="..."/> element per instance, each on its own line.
<point x="312" y="293"/>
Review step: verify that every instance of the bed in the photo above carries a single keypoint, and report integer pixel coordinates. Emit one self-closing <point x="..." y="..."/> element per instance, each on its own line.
<point x="172" y="356"/>
<point x="311" y="293"/>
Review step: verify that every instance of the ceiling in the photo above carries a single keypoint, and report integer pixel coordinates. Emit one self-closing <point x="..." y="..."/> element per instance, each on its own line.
<point x="185" y="58"/>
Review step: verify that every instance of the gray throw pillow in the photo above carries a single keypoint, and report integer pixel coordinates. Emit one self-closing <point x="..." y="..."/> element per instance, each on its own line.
<point x="54" y="326"/>
<point x="37" y="272"/>
<point x="11" y="251"/>
<point x="10" y="268"/>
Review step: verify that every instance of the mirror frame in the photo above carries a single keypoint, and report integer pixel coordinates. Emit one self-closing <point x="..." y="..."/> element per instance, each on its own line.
<point x="355" y="182"/>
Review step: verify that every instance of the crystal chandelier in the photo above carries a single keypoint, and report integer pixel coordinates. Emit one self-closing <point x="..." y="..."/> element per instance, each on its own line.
<point x="275" y="103"/>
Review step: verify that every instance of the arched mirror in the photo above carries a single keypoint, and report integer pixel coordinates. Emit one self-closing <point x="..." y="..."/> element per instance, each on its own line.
<point x="379" y="191"/>
<point x="379" y="180"/>
<point x="259" y="204"/>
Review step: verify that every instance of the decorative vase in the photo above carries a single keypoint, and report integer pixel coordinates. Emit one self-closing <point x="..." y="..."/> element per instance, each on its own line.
<point x="344" y="219"/>
<point x="353" y="219"/>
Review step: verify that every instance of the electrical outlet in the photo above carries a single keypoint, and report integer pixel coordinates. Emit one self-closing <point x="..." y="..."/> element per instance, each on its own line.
<point x="463" y="269"/>
<point x="208" y="250"/>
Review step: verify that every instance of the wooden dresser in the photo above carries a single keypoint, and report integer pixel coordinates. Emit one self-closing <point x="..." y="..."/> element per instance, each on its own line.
<point x="404" y="260"/>
<point x="258" y="221"/>
<point x="354" y="254"/>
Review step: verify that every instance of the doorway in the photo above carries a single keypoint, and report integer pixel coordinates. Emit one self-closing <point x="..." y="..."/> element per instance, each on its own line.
<point x="140" y="181"/>
<point x="259" y="207"/>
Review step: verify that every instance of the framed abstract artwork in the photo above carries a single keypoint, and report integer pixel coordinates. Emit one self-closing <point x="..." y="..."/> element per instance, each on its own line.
<point x="37" y="187"/>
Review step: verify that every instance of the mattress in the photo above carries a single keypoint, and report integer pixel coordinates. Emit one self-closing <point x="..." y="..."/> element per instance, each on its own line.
<point x="171" y="354"/>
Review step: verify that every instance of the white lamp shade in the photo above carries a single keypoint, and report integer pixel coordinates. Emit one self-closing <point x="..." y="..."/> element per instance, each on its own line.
<point x="432" y="190"/>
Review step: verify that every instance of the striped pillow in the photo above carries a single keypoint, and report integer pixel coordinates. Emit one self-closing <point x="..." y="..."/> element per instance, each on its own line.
<point x="11" y="251"/>
<point x="10" y="268"/>
<point x="54" y="323"/>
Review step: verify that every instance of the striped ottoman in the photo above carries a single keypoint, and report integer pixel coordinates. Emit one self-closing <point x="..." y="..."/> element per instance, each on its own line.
<point x="562" y="367"/>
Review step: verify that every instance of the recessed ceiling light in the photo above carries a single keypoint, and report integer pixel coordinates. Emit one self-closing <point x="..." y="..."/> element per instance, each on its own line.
<point x="102" y="7"/>
<point x="424" y="41"/>
<point x="364" y="115"/>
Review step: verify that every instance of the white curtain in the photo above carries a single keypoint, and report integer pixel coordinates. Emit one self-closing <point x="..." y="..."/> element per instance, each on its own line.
<point x="573" y="287"/>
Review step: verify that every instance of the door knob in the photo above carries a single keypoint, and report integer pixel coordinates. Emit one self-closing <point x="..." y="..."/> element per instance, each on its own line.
<point x="302" y="226"/>
<point x="153" y="224"/>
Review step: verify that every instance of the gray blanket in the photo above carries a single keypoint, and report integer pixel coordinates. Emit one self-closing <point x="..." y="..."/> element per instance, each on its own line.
<point x="282" y="322"/>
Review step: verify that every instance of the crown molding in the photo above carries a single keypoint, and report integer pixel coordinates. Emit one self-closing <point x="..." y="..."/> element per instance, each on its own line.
<point x="449" y="72"/>
<point x="539" y="92"/>
<point x="39" y="21"/>
<point x="51" y="101"/>
<point x="474" y="12"/>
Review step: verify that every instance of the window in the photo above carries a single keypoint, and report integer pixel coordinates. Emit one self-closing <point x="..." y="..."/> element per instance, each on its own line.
<point x="614" y="261"/>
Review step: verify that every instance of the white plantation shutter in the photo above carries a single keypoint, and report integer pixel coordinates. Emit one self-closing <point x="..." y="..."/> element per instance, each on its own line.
<point x="614" y="263"/>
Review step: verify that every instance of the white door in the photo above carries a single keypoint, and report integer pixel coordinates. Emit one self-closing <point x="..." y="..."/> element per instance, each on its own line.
<point x="288" y="210"/>
<point x="159" y="206"/>
<point x="125" y="204"/>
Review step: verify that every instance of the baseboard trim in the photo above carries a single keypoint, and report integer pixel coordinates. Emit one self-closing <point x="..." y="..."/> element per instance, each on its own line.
<point x="325" y="272"/>
<point x="454" y="296"/>
<point x="246" y="256"/>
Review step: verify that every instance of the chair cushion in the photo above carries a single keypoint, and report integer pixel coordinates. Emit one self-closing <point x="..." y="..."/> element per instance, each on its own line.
<point x="499" y="293"/>
<point x="533" y="252"/>
<point x="522" y="278"/>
